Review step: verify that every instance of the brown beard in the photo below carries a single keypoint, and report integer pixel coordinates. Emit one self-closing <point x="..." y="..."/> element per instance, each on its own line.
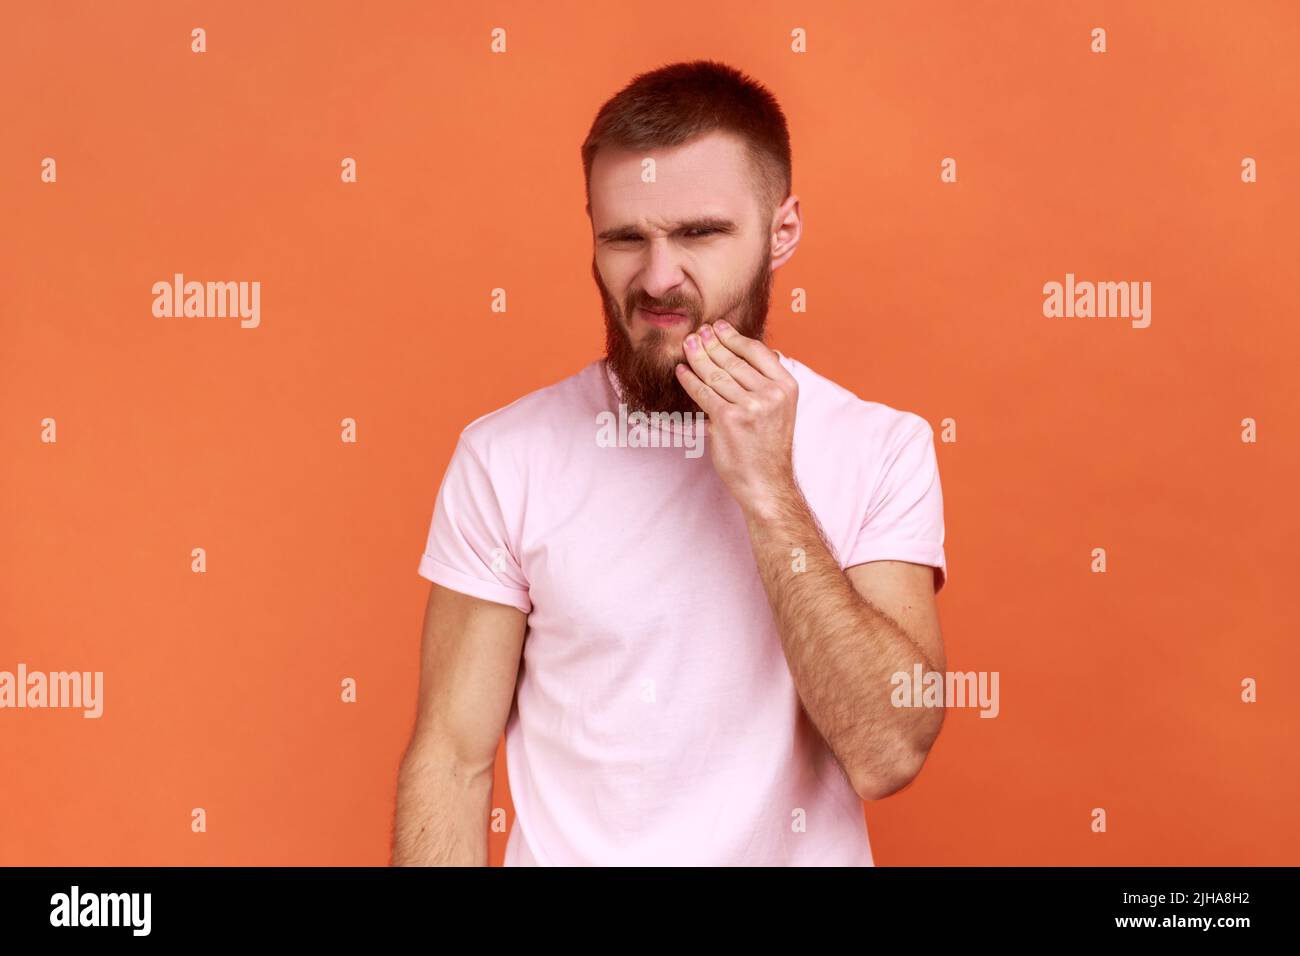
<point x="646" y="373"/>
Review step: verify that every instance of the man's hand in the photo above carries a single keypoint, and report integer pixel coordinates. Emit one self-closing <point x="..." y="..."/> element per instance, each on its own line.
<point x="750" y="399"/>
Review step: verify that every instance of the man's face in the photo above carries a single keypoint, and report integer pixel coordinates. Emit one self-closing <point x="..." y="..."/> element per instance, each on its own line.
<point x="689" y="248"/>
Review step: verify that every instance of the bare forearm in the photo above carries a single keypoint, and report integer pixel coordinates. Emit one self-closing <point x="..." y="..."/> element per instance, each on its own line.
<point x="842" y="651"/>
<point x="442" y="811"/>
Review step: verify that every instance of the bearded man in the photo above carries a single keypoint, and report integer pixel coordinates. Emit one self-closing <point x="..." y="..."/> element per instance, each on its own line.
<point x="692" y="657"/>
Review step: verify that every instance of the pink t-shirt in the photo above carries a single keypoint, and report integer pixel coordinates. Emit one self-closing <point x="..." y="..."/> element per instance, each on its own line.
<point x="655" y="720"/>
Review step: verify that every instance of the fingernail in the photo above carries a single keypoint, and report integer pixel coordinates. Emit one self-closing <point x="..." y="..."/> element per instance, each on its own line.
<point x="722" y="325"/>
<point x="692" y="342"/>
<point x="706" y="332"/>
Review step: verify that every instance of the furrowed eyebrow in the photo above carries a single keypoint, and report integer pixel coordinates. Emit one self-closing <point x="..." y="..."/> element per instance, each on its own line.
<point x="715" y="223"/>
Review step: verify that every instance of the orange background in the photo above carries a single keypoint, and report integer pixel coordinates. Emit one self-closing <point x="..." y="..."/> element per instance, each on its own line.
<point x="1118" y="690"/>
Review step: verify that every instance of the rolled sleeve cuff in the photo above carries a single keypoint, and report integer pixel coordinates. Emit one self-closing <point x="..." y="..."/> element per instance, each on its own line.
<point x="917" y="552"/>
<point x="439" y="573"/>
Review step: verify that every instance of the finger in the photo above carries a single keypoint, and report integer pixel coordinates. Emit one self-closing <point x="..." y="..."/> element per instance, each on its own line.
<point x="708" y="400"/>
<point x="754" y="352"/>
<point x="749" y="377"/>
<point x="710" y="373"/>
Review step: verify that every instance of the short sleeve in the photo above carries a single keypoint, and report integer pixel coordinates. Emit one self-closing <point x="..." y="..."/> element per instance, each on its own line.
<point x="904" y="520"/>
<point x="470" y="547"/>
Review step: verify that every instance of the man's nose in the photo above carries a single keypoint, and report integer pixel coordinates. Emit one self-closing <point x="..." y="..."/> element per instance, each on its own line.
<point x="662" y="271"/>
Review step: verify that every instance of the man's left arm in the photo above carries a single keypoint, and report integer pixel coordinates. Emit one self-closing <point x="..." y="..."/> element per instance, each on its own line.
<point x="845" y="633"/>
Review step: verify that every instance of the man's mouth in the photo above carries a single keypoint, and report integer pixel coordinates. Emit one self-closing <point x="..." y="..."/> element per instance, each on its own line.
<point x="664" y="320"/>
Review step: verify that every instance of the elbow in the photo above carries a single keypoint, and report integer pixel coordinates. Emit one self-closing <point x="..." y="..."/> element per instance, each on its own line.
<point x="884" y="779"/>
<point x="877" y="786"/>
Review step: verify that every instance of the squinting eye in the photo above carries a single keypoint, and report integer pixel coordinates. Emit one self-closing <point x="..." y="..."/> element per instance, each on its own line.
<point x="700" y="232"/>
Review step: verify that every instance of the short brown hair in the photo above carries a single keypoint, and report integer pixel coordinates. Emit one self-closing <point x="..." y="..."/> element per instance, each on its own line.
<point x="677" y="103"/>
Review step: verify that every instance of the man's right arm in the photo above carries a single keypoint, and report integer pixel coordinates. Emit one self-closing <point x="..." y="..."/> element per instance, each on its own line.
<point x="469" y="661"/>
